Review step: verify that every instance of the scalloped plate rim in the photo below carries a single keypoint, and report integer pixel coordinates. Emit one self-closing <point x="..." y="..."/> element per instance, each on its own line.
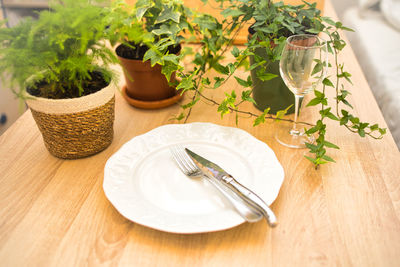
<point x="232" y="219"/>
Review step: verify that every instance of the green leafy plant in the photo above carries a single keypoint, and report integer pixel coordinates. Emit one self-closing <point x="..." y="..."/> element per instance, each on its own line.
<point x="150" y="29"/>
<point x="59" y="54"/>
<point x="272" y="23"/>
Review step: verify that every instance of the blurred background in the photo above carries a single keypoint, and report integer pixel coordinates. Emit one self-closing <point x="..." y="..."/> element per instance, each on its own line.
<point x="375" y="42"/>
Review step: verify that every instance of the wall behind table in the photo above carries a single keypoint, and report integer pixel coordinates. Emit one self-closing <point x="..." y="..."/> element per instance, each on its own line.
<point x="212" y="9"/>
<point x="9" y="105"/>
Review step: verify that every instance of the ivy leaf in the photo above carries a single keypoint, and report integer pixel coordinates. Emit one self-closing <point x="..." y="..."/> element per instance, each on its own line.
<point x="153" y="56"/>
<point x="346" y="103"/>
<point x="235" y="51"/>
<point x="180" y="117"/>
<point x="206" y="81"/>
<point x="327" y="158"/>
<point x="317" y="68"/>
<point x="330" y="145"/>
<point x="221" y="69"/>
<point x="312" y="130"/>
<point x="319" y="94"/>
<point x="198" y="59"/>
<point x="311" y="146"/>
<point x="172" y="58"/>
<point x="281" y="113"/>
<point x="255" y="65"/>
<point x="327" y="82"/>
<point x="168" y="69"/>
<point x="140" y="12"/>
<point x="330" y="50"/>
<point x="344" y="93"/>
<point x="327" y="113"/>
<point x="191" y="103"/>
<point x="231" y="68"/>
<point x="311" y="159"/>
<point x="347" y="29"/>
<point x="218" y="81"/>
<point x="261" y="119"/>
<point x="346" y="75"/>
<point x="320" y="98"/>
<point x="314" y="31"/>
<point x="314" y="102"/>
<point x="344" y="120"/>
<point x="229" y="101"/>
<point x="328" y="20"/>
<point x="232" y="13"/>
<point x="163" y="30"/>
<point x="266" y="30"/>
<point x="168" y="13"/>
<point x="374" y="127"/>
<point x="288" y="25"/>
<point x="246" y="97"/>
<point x="142" y="6"/>
<point x="331" y="116"/>
<point x="243" y="82"/>
<point x="186" y="84"/>
<point x="339" y="44"/>
<point x="382" y="131"/>
<point x="231" y="97"/>
<point x="223" y="109"/>
<point x="265" y="76"/>
<point x="206" y="22"/>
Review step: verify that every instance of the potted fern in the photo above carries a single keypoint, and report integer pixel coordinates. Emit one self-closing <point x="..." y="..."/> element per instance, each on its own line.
<point x="58" y="63"/>
<point x="272" y="22"/>
<point x="150" y="54"/>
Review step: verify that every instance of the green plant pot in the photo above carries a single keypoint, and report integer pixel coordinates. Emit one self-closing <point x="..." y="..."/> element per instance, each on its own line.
<point x="273" y="93"/>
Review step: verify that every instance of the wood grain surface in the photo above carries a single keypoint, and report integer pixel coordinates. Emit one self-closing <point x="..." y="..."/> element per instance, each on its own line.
<point x="54" y="212"/>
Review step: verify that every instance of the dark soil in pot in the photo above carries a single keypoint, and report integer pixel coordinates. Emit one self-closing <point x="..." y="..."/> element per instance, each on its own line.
<point x="137" y="52"/>
<point x="90" y="86"/>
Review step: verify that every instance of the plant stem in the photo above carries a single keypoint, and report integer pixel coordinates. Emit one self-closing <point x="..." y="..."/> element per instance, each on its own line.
<point x="249" y="113"/>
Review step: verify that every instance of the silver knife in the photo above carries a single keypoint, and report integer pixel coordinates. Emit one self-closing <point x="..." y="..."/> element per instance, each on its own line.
<point x="212" y="170"/>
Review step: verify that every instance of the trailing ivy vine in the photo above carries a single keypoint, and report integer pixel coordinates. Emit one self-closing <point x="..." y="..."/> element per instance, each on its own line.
<point x="271" y="23"/>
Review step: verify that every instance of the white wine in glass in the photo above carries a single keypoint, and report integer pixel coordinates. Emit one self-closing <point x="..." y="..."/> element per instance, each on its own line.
<point x="302" y="66"/>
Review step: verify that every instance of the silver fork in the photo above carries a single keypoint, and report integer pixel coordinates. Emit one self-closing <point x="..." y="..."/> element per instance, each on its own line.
<point x="187" y="166"/>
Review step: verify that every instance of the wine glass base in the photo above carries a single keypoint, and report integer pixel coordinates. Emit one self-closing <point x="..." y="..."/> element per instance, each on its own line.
<point x="293" y="139"/>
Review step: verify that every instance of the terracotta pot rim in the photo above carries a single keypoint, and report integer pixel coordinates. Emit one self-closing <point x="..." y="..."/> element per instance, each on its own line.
<point x="151" y="104"/>
<point x="139" y="65"/>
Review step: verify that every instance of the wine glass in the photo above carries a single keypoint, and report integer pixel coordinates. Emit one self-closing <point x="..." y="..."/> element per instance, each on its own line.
<point x="302" y="67"/>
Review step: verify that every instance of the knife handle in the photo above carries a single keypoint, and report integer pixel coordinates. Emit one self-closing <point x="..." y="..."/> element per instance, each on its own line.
<point x="248" y="212"/>
<point x="251" y="198"/>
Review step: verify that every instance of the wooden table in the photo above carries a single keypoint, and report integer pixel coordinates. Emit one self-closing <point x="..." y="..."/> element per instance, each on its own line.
<point x="54" y="212"/>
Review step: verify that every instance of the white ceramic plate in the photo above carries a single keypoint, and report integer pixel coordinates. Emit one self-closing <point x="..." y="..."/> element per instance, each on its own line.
<point x="145" y="185"/>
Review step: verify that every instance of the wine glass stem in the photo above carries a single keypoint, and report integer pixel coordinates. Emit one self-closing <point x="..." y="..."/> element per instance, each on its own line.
<point x="298" y="99"/>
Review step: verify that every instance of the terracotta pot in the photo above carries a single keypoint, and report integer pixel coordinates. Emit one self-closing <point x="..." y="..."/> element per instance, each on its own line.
<point x="144" y="82"/>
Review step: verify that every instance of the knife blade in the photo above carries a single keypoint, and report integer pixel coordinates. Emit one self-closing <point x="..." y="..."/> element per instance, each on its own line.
<point x="212" y="170"/>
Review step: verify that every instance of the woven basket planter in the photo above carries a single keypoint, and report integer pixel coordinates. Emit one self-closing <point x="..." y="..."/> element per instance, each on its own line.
<point x="76" y="127"/>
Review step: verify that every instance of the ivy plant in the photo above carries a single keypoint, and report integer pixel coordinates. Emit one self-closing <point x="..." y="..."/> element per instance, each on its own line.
<point x="158" y="25"/>
<point x="271" y="24"/>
